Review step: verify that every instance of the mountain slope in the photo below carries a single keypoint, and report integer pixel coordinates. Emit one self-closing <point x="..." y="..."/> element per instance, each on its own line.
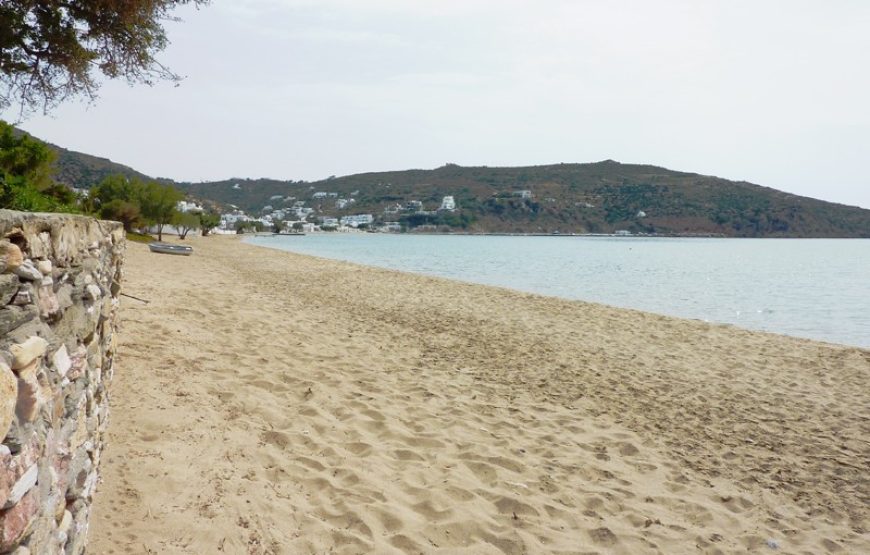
<point x="81" y="170"/>
<point x="601" y="197"/>
<point x="84" y="170"/>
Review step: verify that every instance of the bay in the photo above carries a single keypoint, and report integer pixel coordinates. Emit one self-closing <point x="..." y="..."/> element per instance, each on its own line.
<point x="813" y="288"/>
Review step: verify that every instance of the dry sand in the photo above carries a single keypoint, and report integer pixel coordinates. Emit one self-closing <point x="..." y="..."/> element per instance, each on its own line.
<point x="266" y="402"/>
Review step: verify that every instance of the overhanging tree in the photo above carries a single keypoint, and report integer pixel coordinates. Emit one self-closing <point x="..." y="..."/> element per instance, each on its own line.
<point x="51" y="50"/>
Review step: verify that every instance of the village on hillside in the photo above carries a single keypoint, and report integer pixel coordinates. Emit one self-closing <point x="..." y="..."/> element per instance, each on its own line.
<point x="290" y="214"/>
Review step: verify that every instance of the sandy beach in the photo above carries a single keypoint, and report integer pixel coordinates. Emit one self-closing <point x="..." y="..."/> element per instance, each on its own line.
<point x="272" y="403"/>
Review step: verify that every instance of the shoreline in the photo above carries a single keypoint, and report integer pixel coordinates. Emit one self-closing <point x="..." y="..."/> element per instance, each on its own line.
<point x="591" y="235"/>
<point x="840" y="337"/>
<point x="291" y="404"/>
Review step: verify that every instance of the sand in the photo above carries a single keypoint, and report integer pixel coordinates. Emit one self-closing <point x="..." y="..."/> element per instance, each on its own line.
<point x="268" y="403"/>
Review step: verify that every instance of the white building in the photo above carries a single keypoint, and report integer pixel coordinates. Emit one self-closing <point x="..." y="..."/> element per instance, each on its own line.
<point x="228" y="221"/>
<point x="447" y="203"/>
<point x="357" y="220"/>
<point x="302" y="213"/>
<point x="393" y="209"/>
<point x="184" y="206"/>
<point x="328" y="222"/>
<point x="525" y="193"/>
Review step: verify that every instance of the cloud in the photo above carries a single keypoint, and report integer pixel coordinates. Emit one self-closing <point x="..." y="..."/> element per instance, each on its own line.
<point x="771" y="92"/>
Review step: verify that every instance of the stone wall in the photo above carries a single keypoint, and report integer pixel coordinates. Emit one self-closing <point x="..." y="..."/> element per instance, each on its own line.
<point x="59" y="286"/>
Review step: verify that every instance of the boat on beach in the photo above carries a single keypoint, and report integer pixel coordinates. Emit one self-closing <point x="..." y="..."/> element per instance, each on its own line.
<point x="169" y="248"/>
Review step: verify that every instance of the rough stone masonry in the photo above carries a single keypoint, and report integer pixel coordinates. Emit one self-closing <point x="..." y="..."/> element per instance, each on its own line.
<point x="59" y="284"/>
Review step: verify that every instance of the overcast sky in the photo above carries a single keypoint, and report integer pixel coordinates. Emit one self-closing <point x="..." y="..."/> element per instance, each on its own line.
<point x="772" y="92"/>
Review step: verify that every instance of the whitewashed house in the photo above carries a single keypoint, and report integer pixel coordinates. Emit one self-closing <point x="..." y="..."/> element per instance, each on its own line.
<point x="357" y="220"/>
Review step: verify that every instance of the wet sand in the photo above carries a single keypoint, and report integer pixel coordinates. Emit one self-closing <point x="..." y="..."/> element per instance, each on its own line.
<point x="266" y="402"/>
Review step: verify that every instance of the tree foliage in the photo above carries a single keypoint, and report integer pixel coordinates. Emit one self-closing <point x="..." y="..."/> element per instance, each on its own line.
<point x="118" y="198"/>
<point x="208" y="221"/>
<point x="158" y="204"/>
<point x="51" y="50"/>
<point x="186" y="222"/>
<point x="22" y="155"/>
<point x="123" y="211"/>
<point x="25" y="175"/>
<point x="135" y="203"/>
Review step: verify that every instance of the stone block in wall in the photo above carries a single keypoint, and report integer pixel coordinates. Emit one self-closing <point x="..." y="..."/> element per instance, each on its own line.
<point x="78" y="363"/>
<point x="64" y="296"/>
<point x="24" y="484"/>
<point x="16" y="523"/>
<point x="46" y="300"/>
<point x="59" y="285"/>
<point x="11" y="256"/>
<point x="23" y="354"/>
<point x="82" y="476"/>
<point x="33" y="392"/>
<point x="61" y="361"/>
<point x="79" y="528"/>
<point x="8" y="288"/>
<point x="28" y="272"/>
<point x="14" y="479"/>
<point x="12" y="317"/>
<point x="8" y="398"/>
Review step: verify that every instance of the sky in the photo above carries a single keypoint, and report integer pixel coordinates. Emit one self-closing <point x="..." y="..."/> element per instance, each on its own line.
<point x="774" y="92"/>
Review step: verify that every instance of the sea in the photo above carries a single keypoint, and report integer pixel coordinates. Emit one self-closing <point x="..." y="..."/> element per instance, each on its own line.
<point x="812" y="288"/>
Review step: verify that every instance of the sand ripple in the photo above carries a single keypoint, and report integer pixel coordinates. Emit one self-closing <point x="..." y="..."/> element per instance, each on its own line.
<point x="270" y="403"/>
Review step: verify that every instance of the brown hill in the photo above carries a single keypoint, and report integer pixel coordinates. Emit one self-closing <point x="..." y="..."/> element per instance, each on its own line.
<point x="602" y="197"/>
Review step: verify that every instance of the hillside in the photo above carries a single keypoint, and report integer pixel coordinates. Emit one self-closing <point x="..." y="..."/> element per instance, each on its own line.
<point x="81" y="170"/>
<point x="602" y="197"/>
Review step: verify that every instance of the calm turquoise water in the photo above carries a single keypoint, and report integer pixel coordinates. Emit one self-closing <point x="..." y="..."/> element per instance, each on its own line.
<point x="816" y="288"/>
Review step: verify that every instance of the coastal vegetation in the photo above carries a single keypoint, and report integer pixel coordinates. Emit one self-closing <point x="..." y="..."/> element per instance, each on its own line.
<point x="53" y="51"/>
<point x="602" y="197"/>
<point x="27" y="183"/>
<point x="25" y="175"/>
<point x="137" y="204"/>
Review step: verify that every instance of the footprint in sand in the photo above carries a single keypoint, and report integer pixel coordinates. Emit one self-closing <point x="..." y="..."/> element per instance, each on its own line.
<point x="603" y="536"/>
<point x="359" y="448"/>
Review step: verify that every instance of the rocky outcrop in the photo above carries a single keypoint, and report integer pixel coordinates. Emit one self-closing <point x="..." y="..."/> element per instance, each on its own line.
<point x="59" y="283"/>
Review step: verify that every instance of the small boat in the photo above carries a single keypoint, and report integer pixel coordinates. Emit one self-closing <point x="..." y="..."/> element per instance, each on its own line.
<point x="169" y="248"/>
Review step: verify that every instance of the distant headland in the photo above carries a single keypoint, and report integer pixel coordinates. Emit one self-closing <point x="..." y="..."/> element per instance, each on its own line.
<point x="605" y="197"/>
